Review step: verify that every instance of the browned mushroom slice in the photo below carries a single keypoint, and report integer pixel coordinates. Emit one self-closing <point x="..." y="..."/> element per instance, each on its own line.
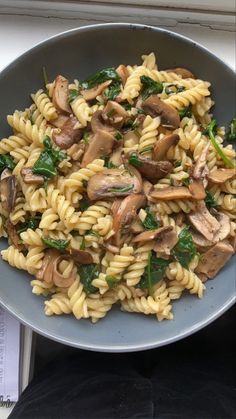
<point x="30" y="178"/>
<point x="46" y="270"/>
<point x="181" y="71"/>
<point x="163" y="145"/>
<point x="171" y="193"/>
<point x="232" y="242"/>
<point x="114" y="114"/>
<point x="201" y="169"/>
<point x="165" y="238"/>
<point x="81" y="256"/>
<point x="154" y="106"/>
<point x="59" y="121"/>
<point x="12" y="234"/>
<point x="58" y="278"/>
<point x="214" y="259"/>
<point x="8" y="191"/>
<point x="68" y="134"/>
<point x="125" y="212"/>
<point x="224" y="229"/>
<point x="91" y="94"/>
<point x="221" y="175"/>
<point x="199" y="240"/>
<point x="136" y="227"/>
<point x="204" y="222"/>
<point x="123" y="72"/>
<point x="60" y="95"/>
<point x="113" y="182"/>
<point x="197" y="190"/>
<point x="98" y="123"/>
<point x="152" y="170"/>
<point x="101" y="145"/>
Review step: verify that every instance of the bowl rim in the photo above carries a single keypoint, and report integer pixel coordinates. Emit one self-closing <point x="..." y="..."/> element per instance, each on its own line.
<point x="118" y="348"/>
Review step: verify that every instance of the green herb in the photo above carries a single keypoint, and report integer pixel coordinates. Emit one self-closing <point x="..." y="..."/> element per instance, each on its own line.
<point x="172" y="88"/>
<point x="140" y="111"/>
<point x="86" y="137"/>
<point x="87" y="274"/>
<point x="45" y="76"/>
<point x="127" y="106"/>
<point x="108" y="163"/>
<point x="154" y="272"/>
<point x="186" y="181"/>
<point x="150" y="222"/>
<point x="134" y="160"/>
<point x="82" y="246"/>
<point x="32" y="223"/>
<point x="185" y="112"/>
<point x="93" y="233"/>
<point x="6" y="162"/>
<point x="56" y="243"/>
<point x="84" y="204"/>
<point x="231" y="134"/>
<point x="113" y="91"/>
<point x="137" y="133"/>
<point x="185" y="249"/>
<point x="211" y="131"/>
<point x="177" y="163"/>
<point x="111" y="112"/>
<point x="210" y="201"/>
<point x="111" y="281"/>
<point x="73" y="94"/>
<point x="121" y="190"/>
<point x="150" y="87"/>
<point x="118" y="135"/>
<point x="100" y="77"/>
<point x="48" y="160"/>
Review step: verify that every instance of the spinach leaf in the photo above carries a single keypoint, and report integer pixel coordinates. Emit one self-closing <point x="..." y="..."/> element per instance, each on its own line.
<point x="56" y="244"/>
<point x="73" y="94"/>
<point x="108" y="163"/>
<point x="6" y="162"/>
<point x="177" y="163"/>
<point x="84" y="203"/>
<point x="48" y="160"/>
<point x="111" y="281"/>
<point x="121" y="190"/>
<point x="112" y="91"/>
<point x="186" y="181"/>
<point x="87" y="274"/>
<point x="185" y="249"/>
<point x="32" y="223"/>
<point x="211" y="131"/>
<point x="127" y="106"/>
<point x="150" y="87"/>
<point x="185" y="112"/>
<point x="150" y="222"/>
<point x="118" y="136"/>
<point x="82" y="246"/>
<point x="134" y="160"/>
<point x="210" y="201"/>
<point x="100" y="77"/>
<point x="231" y="134"/>
<point x="154" y="272"/>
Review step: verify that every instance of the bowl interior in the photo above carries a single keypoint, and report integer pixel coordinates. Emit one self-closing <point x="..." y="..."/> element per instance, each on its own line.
<point x="76" y="54"/>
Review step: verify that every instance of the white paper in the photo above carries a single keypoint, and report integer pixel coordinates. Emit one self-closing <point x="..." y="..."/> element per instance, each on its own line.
<point x="9" y="357"/>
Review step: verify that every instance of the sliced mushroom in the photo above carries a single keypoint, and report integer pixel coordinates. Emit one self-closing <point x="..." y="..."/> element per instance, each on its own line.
<point x="136" y="227"/>
<point x="179" y="219"/>
<point x="91" y="94"/>
<point x="181" y="71"/>
<point x="46" y="270"/>
<point x="224" y="229"/>
<point x="199" y="240"/>
<point x="204" y="222"/>
<point x="8" y="191"/>
<point x="113" y="182"/>
<point x="221" y="175"/>
<point x="30" y="178"/>
<point x="232" y="242"/>
<point x="60" y="95"/>
<point x="13" y="235"/>
<point x="152" y="170"/>
<point x="165" y="240"/>
<point x="154" y="106"/>
<point x="101" y="145"/>
<point x="197" y="190"/>
<point x="58" y="279"/>
<point x="81" y="256"/>
<point x="124" y="213"/>
<point x="171" y="193"/>
<point x="214" y="259"/>
<point x="114" y="114"/>
<point x="116" y="157"/>
<point x="123" y="72"/>
<point x="98" y="123"/>
<point x="59" y="121"/>
<point x="163" y="145"/>
<point x="68" y="134"/>
<point x="201" y="169"/>
<point x="5" y="173"/>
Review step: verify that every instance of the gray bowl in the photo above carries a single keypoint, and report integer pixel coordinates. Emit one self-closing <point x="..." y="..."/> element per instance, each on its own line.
<point x="76" y="54"/>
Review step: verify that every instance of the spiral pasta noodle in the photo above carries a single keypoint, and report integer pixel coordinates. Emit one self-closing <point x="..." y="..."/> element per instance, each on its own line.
<point x="44" y="105"/>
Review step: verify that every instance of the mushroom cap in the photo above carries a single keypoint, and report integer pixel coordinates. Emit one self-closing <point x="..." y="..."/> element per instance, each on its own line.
<point x="221" y="175"/>
<point x="98" y="123"/>
<point x="31" y="178"/>
<point x="60" y="95"/>
<point x="181" y="71"/>
<point x="163" y="144"/>
<point x="114" y="114"/>
<point x="197" y="190"/>
<point x="154" y="106"/>
<point x="152" y="170"/>
<point x="91" y="94"/>
<point x="171" y="193"/>
<point x="68" y="134"/>
<point x="204" y="222"/>
<point x="8" y="191"/>
<point x="101" y="145"/>
<point x="81" y="256"/>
